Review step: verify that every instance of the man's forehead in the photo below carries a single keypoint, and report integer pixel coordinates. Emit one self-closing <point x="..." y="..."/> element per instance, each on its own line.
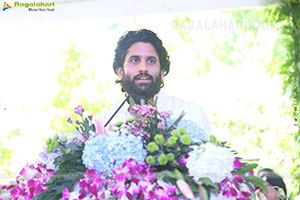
<point x="142" y="49"/>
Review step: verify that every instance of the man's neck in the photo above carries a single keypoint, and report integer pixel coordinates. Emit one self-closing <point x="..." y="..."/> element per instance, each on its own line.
<point x="151" y="100"/>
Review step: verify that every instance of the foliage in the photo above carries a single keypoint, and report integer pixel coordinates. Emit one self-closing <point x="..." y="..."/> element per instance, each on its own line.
<point x="289" y="12"/>
<point x="70" y="80"/>
<point x="5" y="154"/>
<point x="70" y="169"/>
<point x="286" y="62"/>
<point x="176" y="159"/>
<point x="69" y="164"/>
<point x="280" y="21"/>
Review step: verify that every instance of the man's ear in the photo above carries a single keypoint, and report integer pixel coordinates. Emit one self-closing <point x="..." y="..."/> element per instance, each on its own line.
<point x="162" y="74"/>
<point x="120" y="72"/>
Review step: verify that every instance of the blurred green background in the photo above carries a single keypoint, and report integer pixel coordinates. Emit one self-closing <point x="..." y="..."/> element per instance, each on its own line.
<point x="241" y="65"/>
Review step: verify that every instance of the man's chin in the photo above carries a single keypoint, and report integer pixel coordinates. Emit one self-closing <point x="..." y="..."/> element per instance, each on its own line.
<point x="142" y="92"/>
<point x="142" y="87"/>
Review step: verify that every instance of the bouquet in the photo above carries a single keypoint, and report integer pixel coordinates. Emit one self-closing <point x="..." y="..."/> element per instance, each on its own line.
<point x="148" y="156"/>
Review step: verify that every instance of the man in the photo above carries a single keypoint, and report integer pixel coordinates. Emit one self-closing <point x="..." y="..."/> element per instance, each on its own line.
<point x="264" y="172"/>
<point x="141" y="63"/>
<point x="275" y="183"/>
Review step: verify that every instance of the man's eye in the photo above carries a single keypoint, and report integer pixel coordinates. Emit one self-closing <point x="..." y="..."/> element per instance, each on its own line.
<point x="134" y="60"/>
<point x="151" y="61"/>
<point x="276" y="188"/>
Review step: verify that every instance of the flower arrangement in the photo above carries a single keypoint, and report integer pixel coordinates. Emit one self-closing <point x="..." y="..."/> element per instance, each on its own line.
<point x="148" y="156"/>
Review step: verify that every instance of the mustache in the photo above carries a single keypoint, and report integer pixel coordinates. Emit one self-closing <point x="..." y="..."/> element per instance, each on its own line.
<point x="143" y="74"/>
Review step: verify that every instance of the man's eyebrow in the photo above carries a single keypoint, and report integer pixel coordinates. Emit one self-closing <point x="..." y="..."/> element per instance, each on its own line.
<point x="152" y="57"/>
<point x="139" y="56"/>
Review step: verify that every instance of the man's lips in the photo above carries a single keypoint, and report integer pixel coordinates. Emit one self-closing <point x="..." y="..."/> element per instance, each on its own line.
<point x="143" y="78"/>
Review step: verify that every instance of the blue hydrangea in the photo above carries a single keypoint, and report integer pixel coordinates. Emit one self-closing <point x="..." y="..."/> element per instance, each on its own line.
<point x="106" y="152"/>
<point x="196" y="132"/>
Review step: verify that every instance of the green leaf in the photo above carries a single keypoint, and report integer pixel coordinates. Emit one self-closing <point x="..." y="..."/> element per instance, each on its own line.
<point x="142" y="101"/>
<point x="176" y="121"/>
<point x="213" y="139"/>
<point x="131" y="101"/>
<point x="155" y="102"/>
<point x="245" y="168"/>
<point x="167" y="173"/>
<point x="250" y="186"/>
<point x="178" y="174"/>
<point x="258" y="182"/>
<point x="203" y="193"/>
<point x="208" y="182"/>
<point x="70" y="170"/>
<point x="192" y="184"/>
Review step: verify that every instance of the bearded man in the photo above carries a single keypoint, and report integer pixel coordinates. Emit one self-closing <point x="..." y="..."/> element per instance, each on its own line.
<point x="141" y="63"/>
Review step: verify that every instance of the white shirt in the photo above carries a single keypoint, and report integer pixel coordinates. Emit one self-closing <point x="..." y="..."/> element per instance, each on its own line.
<point x="193" y="111"/>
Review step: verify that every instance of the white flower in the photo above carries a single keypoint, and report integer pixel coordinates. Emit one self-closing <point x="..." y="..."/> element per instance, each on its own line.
<point x="48" y="158"/>
<point x="74" y="195"/>
<point x="219" y="196"/>
<point x="210" y="161"/>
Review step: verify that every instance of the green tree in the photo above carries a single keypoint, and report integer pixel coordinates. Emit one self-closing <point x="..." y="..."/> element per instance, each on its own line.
<point x="287" y="13"/>
<point x="282" y="59"/>
<point x="74" y="75"/>
<point x="285" y="61"/>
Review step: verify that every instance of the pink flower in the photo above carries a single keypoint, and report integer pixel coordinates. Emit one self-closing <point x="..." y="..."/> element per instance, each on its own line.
<point x="30" y="182"/>
<point x="69" y="120"/>
<point x="250" y="173"/>
<point x="185" y="189"/>
<point x="229" y="188"/>
<point x="182" y="162"/>
<point x="244" y="195"/>
<point x="165" y="114"/>
<point x="99" y="127"/>
<point x="237" y="164"/>
<point x="161" y="126"/>
<point x="92" y="184"/>
<point x="238" y="179"/>
<point x="65" y="194"/>
<point x="79" y="110"/>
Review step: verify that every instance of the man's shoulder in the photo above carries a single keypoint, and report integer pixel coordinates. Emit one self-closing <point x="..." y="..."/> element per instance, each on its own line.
<point x="193" y="111"/>
<point x="174" y="102"/>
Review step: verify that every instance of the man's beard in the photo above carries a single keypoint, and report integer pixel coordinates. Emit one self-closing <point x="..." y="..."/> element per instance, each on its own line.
<point x="147" y="90"/>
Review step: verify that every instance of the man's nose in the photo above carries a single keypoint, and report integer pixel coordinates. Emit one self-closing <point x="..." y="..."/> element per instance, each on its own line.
<point x="143" y="67"/>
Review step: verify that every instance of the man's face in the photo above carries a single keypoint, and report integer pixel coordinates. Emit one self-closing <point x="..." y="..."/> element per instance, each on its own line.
<point x="272" y="194"/>
<point x="141" y="73"/>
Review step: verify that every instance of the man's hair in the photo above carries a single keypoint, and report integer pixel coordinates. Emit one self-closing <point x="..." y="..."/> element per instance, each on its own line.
<point x="276" y="180"/>
<point x="268" y="170"/>
<point x="146" y="36"/>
